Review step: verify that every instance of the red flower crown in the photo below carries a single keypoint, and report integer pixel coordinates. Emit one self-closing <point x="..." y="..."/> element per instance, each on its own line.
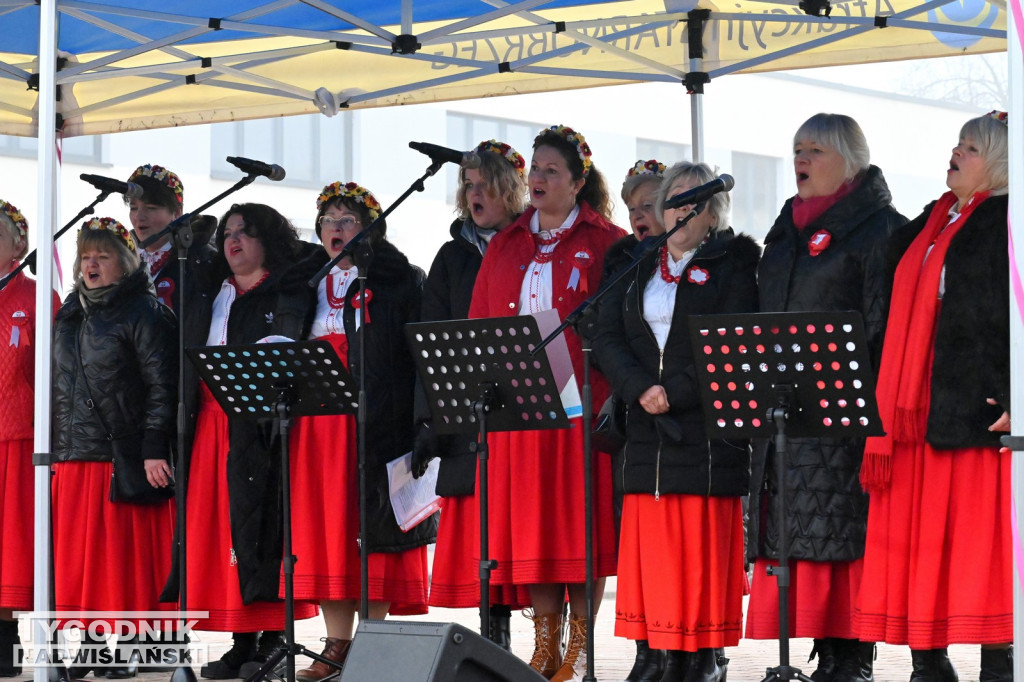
<point x="161" y="174"/>
<point x="12" y="212"/>
<point x="112" y="225"/>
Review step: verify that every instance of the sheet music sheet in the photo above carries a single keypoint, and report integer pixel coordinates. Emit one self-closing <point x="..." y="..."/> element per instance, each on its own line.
<point x="412" y="499"/>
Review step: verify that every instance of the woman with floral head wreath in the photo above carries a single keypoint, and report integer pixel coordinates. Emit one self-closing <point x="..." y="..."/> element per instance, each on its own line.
<point x="551" y="258"/>
<point x="325" y="482"/>
<point x="114" y="376"/>
<point x="235" y="534"/>
<point x="825" y="253"/>
<point x="489" y="198"/>
<point x="938" y="563"/>
<point x="17" y="378"/>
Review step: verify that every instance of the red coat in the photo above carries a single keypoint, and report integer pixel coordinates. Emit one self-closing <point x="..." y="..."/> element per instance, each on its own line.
<point x="511" y="251"/>
<point x="17" y="362"/>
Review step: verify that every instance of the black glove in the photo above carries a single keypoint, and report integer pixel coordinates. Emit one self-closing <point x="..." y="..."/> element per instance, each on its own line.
<point x="424" y="449"/>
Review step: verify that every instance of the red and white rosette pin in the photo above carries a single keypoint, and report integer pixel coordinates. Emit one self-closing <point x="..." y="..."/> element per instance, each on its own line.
<point x="698" y="275"/>
<point x="165" y="290"/>
<point x="582" y="260"/>
<point x="357" y="303"/>
<point x="819" y="242"/>
<point x="19" y="319"/>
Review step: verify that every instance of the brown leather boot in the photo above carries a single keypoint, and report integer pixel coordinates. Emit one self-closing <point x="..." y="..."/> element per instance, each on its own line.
<point x="334" y="649"/>
<point x="574" y="665"/>
<point x="547" y="644"/>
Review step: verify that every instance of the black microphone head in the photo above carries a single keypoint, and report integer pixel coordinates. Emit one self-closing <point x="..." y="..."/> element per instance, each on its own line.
<point x="133" y="191"/>
<point x="728" y="181"/>
<point x="277" y="173"/>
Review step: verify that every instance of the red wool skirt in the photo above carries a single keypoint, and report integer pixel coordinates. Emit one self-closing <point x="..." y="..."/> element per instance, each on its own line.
<point x="16" y="530"/>
<point x="455" y="581"/>
<point x="212" y="571"/>
<point x="681" y="577"/>
<point x="938" y="564"/>
<point x="325" y="520"/>
<point x="537" y="513"/>
<point x="108" y="556"/>
<point x="821" y="599"/>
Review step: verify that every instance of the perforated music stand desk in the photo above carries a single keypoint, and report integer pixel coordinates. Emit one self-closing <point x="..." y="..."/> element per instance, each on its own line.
<point x="773" y="375"/>
<point x="278" y="381"/>
<point x="478" y="375"/>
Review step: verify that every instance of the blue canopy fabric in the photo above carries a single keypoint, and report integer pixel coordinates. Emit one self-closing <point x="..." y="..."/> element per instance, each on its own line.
<point x="134" y="64"/>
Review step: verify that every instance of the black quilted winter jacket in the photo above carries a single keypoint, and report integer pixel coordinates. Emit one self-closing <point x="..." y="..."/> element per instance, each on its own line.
<point x="826" y="507"/>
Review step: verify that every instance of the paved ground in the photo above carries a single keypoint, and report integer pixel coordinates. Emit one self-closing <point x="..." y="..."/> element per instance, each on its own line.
<point x="614" y="656"/>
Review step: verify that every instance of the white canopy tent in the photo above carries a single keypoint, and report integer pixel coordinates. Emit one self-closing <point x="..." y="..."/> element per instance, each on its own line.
<point x="135" y="64"/>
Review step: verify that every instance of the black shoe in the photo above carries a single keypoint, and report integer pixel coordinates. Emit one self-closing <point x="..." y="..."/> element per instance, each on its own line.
<point x="997" y="665"/>
<point x="677" y="665"/>
<point x="8" y="640"/>
<point x="243" y="649"/>
<point x="127" y="658"/>
<point x="500" y="626"/>
<point x="932" y="665"/>
<point x="85" y="660"/>
<point x="270" y="641"/>
<point x="827" y="651"/>
<point x="705" y="667"/>
<point x="649" y="664"/>
<point x="856" y="664"/>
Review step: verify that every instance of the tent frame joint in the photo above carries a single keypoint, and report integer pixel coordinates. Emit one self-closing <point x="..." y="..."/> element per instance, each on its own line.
<point x="405" y="43"/>
<point x="694" y="82"/>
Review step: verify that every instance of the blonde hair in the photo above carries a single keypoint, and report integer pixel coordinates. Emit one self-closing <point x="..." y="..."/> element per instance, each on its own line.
<point x="107" y="242"/>
<point x="505" y="183"/>
<point x="990" y="136"/>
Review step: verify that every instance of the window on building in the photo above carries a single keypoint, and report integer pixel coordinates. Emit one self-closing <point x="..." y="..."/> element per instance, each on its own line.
<point x="667" y="153"/>
<point x="84" y="149"/>
<point x="309" y="148"/>
<point x="466" y="131"/>
<point x="755" y="200"/>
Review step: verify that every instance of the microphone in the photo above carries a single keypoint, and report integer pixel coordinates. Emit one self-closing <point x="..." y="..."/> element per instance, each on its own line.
<point x="723" y="183"/>
<point x="439" y="153"/>
<point x="129" y="189"/>
<point x="270" y="170"/>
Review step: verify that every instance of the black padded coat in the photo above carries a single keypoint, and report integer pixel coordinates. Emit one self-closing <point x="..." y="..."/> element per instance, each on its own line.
<point x="826" y="507"/>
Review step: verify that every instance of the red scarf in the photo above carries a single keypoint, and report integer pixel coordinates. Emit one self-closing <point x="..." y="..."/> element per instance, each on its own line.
<point x="806" y="211"/>
<point x="904" y="378"/>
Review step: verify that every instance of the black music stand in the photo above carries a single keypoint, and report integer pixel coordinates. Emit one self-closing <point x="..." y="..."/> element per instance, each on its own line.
<point x="770" y="375"/>
<point x="276" y="381"/>
<point x="479" y="375"/>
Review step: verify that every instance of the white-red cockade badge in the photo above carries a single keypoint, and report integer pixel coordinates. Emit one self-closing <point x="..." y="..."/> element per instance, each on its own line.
<point x="819" y="242"/>
<point x="698" y="275"/>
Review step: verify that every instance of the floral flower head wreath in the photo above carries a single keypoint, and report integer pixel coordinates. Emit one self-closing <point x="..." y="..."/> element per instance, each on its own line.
<point x="1000" y="116"/>
<point x="650" y="167"/>
<point x="12" y="212"/>
<point x="576" y="140"/>
<point x="114" y="226"/>
<point x="350" y="190"/>
<point x="506" y="152"/>
<point x="161" y="174"/>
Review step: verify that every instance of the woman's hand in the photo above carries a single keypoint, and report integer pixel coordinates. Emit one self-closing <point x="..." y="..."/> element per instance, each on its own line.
<point x="158" y="473"/>
<point x="1001" y="424"/>
<point x="654" y="400"/>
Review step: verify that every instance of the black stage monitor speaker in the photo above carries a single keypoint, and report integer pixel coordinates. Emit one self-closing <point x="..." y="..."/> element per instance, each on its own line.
<point x="407" y="651"/>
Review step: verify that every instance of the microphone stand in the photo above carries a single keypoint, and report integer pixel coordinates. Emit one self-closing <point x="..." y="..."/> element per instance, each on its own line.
<point x="576" y="319"/>
<point x="30" y="259"/>
<point x="362" y="251"/>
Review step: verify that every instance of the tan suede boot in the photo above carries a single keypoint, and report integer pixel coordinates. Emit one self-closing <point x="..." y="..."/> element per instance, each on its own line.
<point x="574" y="665"/>
<point x="547" y="646"/>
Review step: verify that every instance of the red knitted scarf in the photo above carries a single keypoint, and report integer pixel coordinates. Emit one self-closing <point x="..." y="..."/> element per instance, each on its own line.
<point x="903" y="379"/>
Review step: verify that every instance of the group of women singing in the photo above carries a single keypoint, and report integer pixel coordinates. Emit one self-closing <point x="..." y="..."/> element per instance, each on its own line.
<point x="885" y="534"/>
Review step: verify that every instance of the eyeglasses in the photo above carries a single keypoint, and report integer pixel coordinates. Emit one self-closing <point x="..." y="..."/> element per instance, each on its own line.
<point x="641" y="209"/>
<point x="345" y="222"/>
